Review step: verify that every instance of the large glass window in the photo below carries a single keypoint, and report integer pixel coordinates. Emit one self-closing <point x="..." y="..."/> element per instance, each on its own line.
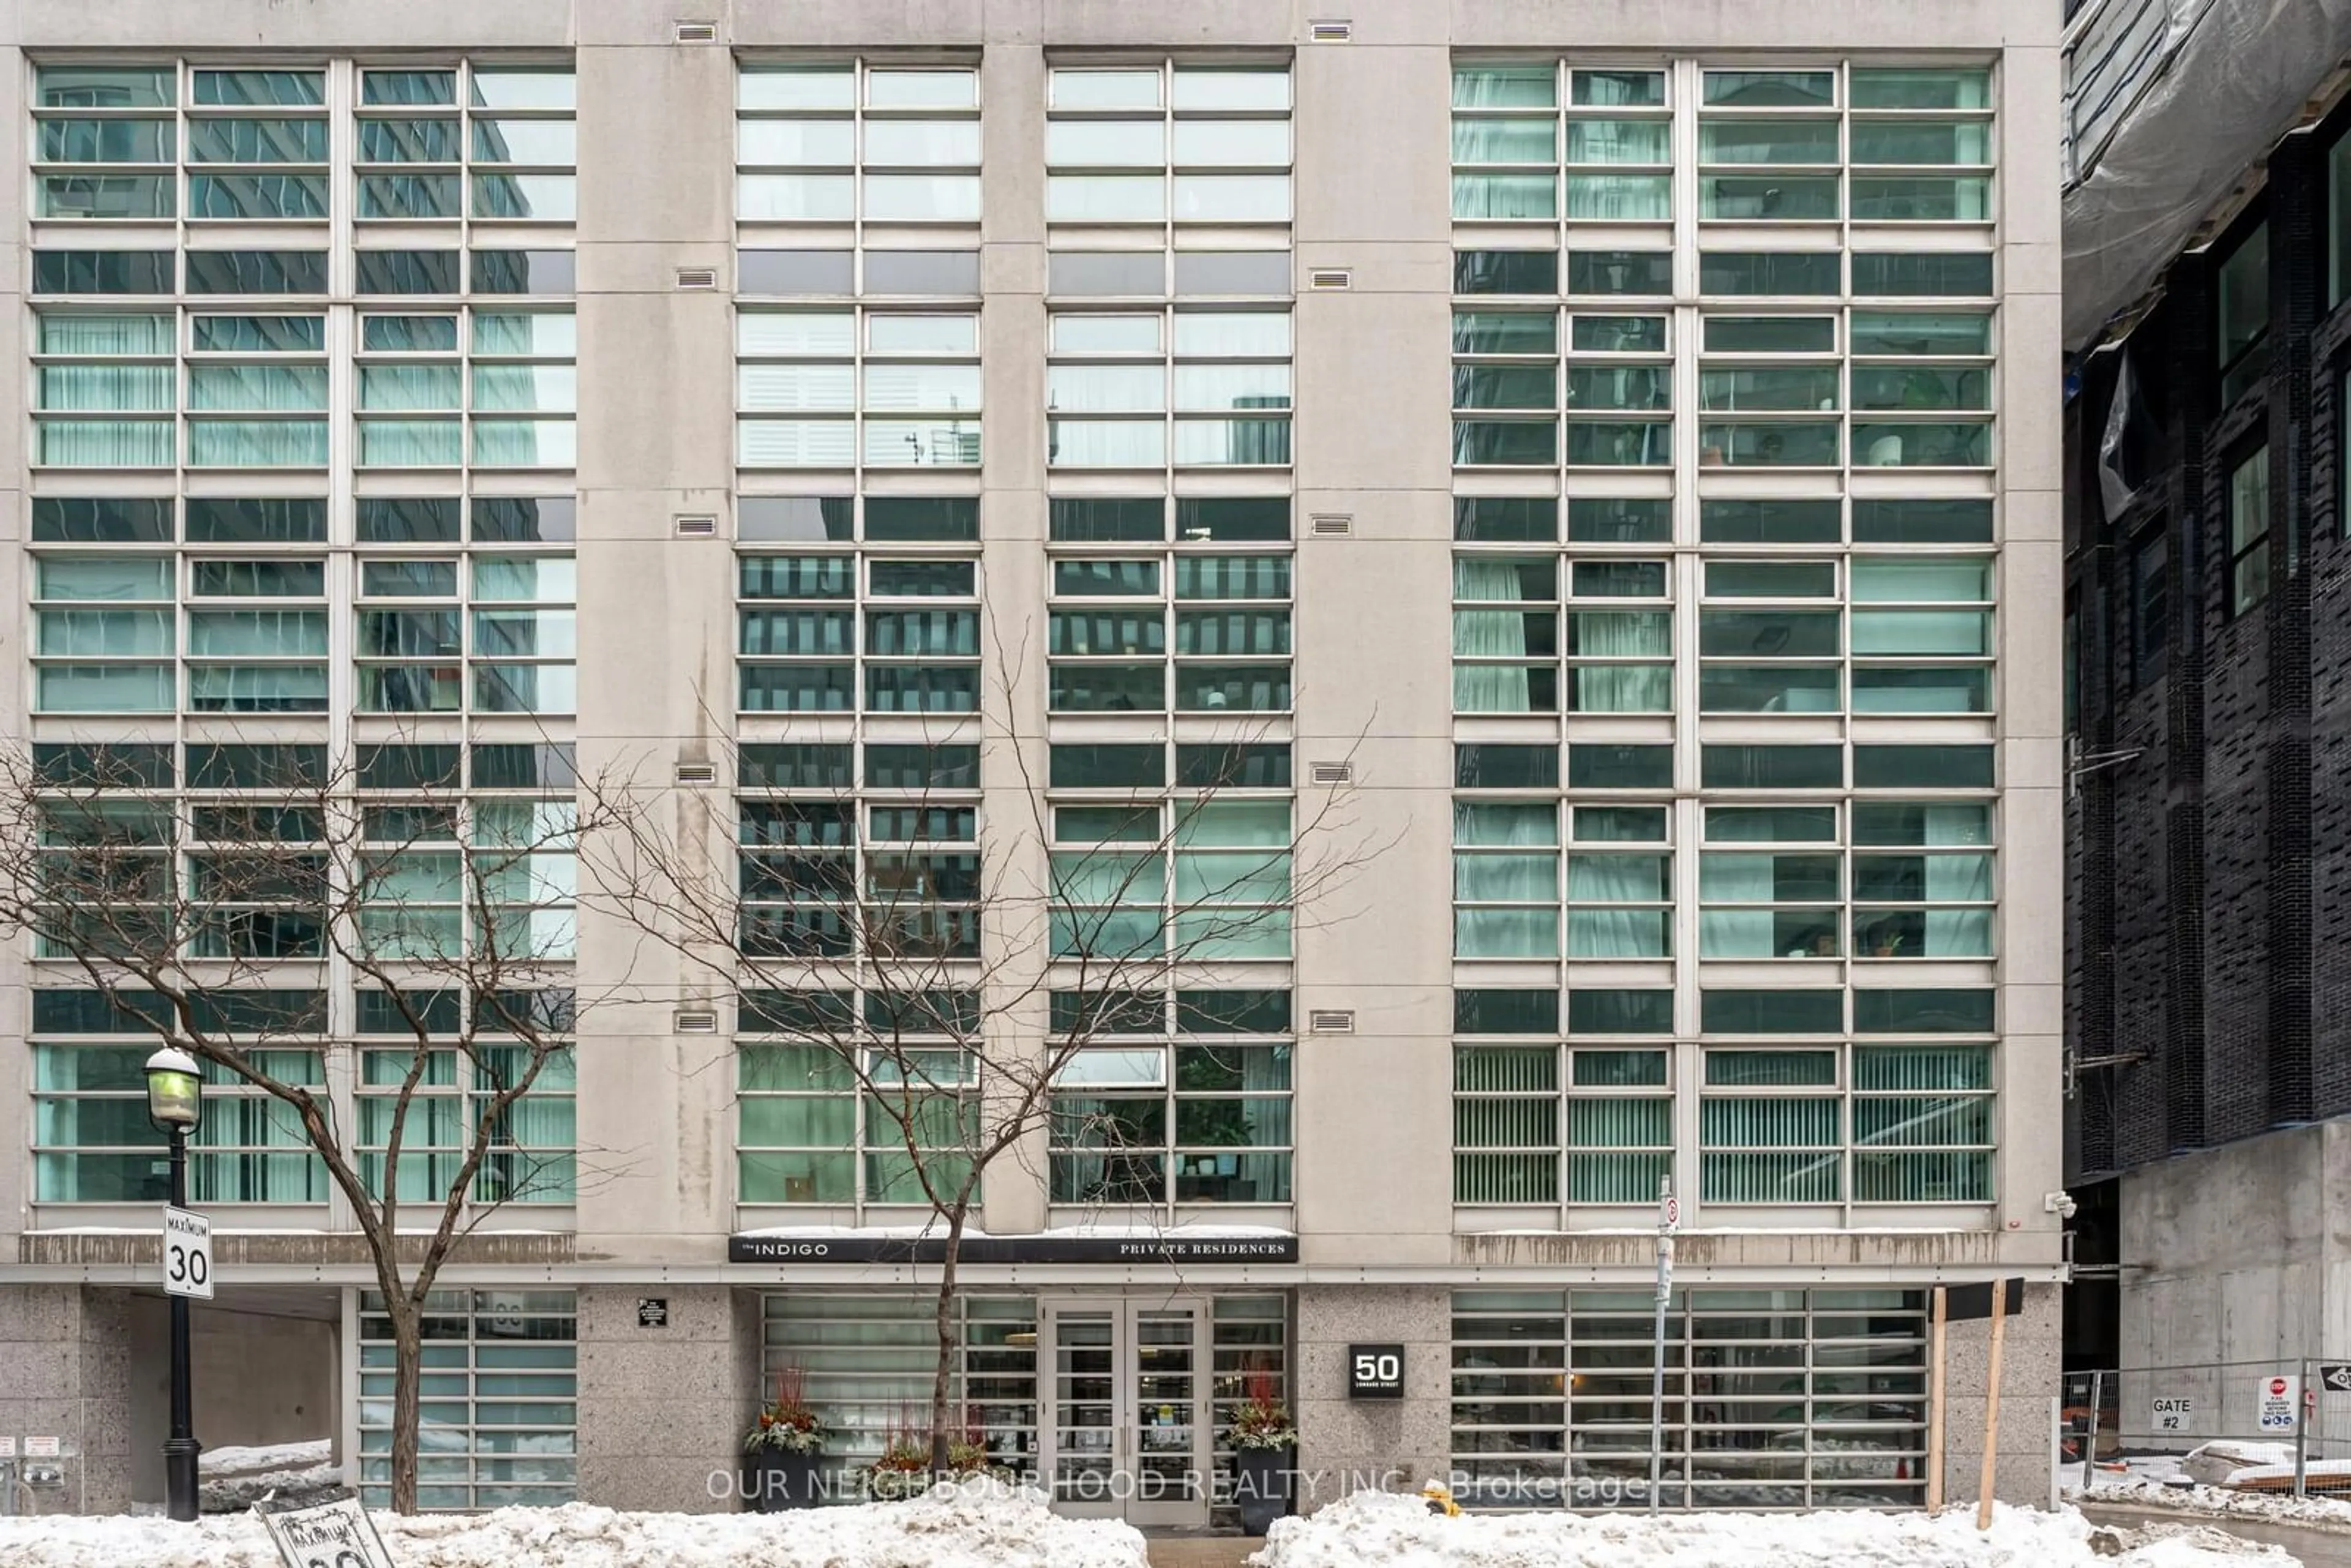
<point x="2249" y="530"/>
<point x="836" y="144"/>
<point x="494" y="143"/>
<point x="500" y="1399"/>
<point x="93" y="1143"/>
<point x="2242" y="313"/>
<point x="1772" y="1398"/>
<point x="837" y="631"/>
<point x="846" y="390"/>
<point x="827" y="871"/>
<point x="1167" y="146"/>
<point x="805" y="1135"/>
<point x="1115" y="618"/>
<point x="1199" y="1115"/>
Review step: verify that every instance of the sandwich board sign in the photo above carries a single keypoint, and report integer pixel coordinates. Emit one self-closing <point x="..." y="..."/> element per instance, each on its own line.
<point x="336" y="1534"/>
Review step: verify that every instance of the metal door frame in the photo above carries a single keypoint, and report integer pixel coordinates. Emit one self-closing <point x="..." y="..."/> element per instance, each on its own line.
<point x="1124" y="1314"/>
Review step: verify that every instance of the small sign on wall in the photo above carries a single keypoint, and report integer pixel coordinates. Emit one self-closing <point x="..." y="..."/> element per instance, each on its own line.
<point x="1375" y="1371"/>
<point x="653" y="1311"/>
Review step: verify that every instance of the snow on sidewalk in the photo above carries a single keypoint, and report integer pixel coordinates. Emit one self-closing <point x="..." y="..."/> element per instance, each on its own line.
<point x="2216" y="1502"/>
<point x="979" y="1524"/>
<point x="1376" y="1530"/>
<point x="273" y="1457"/>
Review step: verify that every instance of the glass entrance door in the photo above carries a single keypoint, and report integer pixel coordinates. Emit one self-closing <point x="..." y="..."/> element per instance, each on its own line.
<point x="1127" y="1433"/>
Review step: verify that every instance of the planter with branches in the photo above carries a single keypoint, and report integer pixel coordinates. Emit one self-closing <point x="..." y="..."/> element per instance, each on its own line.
<point x="784" y="1451"/>
<point x="1265" y="1448"/>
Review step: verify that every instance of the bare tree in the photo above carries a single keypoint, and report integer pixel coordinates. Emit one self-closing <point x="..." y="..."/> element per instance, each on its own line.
<point x="215" y="917"/>
<point x="949" y="989"/>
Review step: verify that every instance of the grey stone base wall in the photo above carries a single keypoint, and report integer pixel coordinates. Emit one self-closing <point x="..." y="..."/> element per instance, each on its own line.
<point x="1354" y="1445"/>
<point x="663" y="1410"/>
<point x="66" y="1372"/>
<point x="2031" y="1354"/>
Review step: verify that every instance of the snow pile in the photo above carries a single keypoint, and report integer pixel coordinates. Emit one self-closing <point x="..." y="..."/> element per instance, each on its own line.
<point x="978" y="1524"/>
<point x="2152" y="1494"/>
<point x="273" y="1457"/>
<point x="289" y="1473"/>
<point x="1379" y="1529"/>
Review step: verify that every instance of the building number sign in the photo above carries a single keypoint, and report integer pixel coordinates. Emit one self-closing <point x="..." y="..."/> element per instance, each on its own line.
<point x="1375" y="1371"/>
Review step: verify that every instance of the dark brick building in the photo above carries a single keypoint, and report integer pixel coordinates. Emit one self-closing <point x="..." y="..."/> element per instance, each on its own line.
<point x="2209" y="895"/>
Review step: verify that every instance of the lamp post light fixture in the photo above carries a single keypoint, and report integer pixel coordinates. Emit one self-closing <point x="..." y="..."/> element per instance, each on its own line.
<point x="175" y="1103"/>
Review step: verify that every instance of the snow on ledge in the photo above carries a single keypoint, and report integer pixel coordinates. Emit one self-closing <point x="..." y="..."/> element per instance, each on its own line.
<point x="980" y="1524"/>
<point x="271" y="1457"/>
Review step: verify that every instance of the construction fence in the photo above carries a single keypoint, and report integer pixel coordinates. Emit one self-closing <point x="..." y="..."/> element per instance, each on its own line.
<point x="2283" y="1424"/>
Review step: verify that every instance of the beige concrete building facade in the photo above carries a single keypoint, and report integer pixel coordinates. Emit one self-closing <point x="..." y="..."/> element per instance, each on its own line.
<point x="1606" y="456"/>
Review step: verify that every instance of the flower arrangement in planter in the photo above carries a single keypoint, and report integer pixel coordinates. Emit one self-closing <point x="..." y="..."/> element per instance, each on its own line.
<point x="968" y="1454"/>
<point x="903" y="1468"/>
<point x="783" y="1447"/>
<point x="1264" y="1439"/>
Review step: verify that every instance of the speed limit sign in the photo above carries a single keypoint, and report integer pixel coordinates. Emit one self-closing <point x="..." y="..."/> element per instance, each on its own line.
<point x="187" y="1254"/>
<point x="333" y="1536"/>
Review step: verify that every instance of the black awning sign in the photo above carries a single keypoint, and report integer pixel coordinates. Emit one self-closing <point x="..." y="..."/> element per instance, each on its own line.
<point x="814" y="1248"/>
<point x="1961" y="1303"/>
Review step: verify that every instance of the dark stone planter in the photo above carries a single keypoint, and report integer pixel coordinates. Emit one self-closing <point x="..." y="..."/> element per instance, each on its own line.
<point x="775" y="1479"/>
<point x="1260" y="1487"/>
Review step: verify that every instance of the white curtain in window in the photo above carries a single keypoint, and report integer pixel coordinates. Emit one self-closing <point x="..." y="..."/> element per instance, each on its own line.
<point x="107" y="443"/>
<point x="1489" y="635"/>
<point x="106" y="334"/>
<point x="1606" y="933"/>
<point x="1506" y="196"/>
<point x="1735" y="933"/>
<point x="258" y="444"/>
<point x="1620" y="198"/>
<point x="1956" y="879"/>
<point x="1627" y="634"/>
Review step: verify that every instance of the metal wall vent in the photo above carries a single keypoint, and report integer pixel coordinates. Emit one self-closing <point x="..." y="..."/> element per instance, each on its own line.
<point x="697" y="277"/>
<point x="1331" y="773"/>
<point x="1330" y="1020"/>
<point x="696" y="32"/>
<point x="1331" y="525"/>
<point x="697" y="773"/>
<point x="695" y="526"/>
<point x="1331" y="277"/>
<point x="1330" y="31"/>
<point x="695" y="1022"/>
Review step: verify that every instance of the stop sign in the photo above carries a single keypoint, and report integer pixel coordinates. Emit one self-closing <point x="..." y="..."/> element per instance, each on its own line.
<point x="2277" y="1388"/>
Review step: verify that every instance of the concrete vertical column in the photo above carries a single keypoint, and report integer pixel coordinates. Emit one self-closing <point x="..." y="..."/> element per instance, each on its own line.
<point x="1012" y="521"/>
<point x="1363" y="1445"/>
<point x="662" y="1406"/>
<point x="656" y="669"/>
<point x="2031" y="590"/>
<point x="1375" y="640"/>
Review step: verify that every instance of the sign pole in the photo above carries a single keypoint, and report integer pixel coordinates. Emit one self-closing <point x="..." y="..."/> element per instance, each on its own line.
<point x="2090" y="1443"/>
<point x="1991" y="1406"/>
<point x="1935" y="1405"/>
<point x="2302" y="1430"/>
<point x="1668" y="1219"/>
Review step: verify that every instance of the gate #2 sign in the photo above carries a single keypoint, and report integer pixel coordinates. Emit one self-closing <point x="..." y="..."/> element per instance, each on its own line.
<point x="333" y="1536"/>
<point x="2281" y="1402"/>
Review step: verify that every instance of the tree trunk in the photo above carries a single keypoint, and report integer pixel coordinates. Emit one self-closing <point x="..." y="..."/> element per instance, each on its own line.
<point x="942" y="1375"/>
<point x="408" y="1357"/>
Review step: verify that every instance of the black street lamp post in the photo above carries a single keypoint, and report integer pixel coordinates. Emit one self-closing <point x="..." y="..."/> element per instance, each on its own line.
<point x="175" y="1104"/>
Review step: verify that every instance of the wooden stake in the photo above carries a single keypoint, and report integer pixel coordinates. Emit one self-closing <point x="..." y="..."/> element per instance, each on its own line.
<point x="1991" y="1406"/>
<point x="1935" y="1405"/>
